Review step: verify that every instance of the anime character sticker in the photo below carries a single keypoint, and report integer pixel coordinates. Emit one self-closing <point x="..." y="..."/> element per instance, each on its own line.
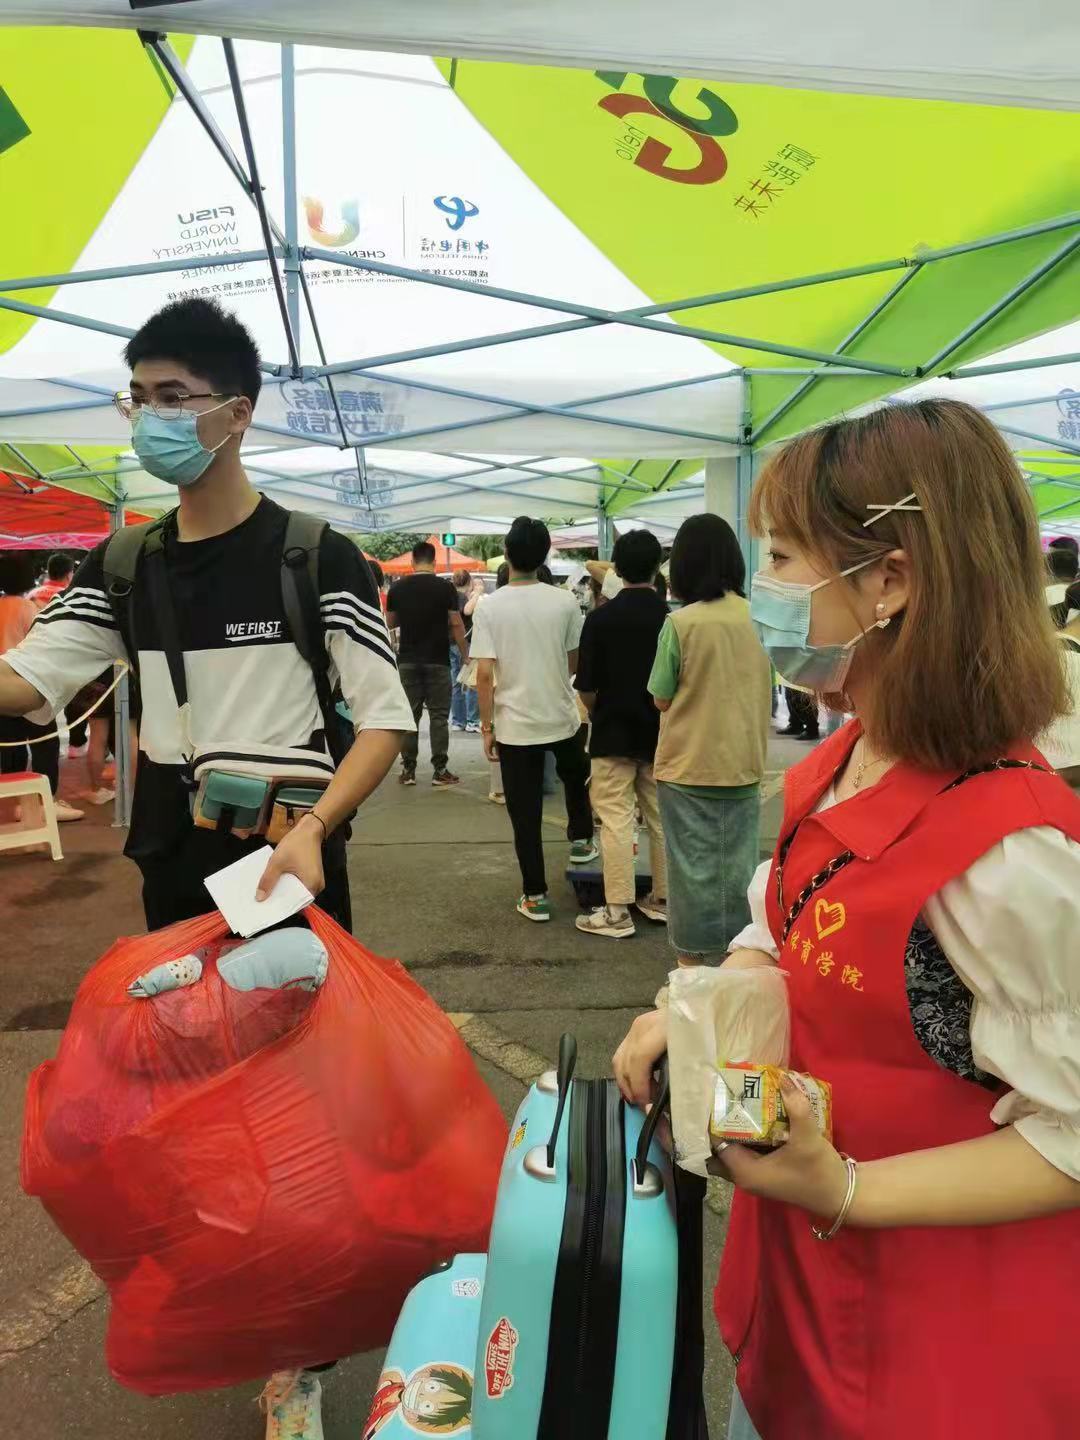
<point x="434" y="1400"/>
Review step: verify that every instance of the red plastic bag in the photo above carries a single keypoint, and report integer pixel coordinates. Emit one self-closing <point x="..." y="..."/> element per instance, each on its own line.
<point x="257" y="1203"/>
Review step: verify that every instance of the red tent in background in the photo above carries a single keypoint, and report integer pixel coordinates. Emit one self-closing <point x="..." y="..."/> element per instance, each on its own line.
<point x="446" y="559"/>
<point x="34" y="516"/>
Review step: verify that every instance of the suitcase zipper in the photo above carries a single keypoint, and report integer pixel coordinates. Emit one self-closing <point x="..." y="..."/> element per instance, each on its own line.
<point x="595" y="1197"/>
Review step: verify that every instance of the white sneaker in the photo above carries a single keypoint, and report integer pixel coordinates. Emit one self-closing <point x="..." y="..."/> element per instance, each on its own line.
<point x="652" y="908"/>
<point x="98" y="797"/>
<point x="66" y="813"/>
<point x="472" y="729"/>
<point x="604" y="921"/>
<point x="292" y="1400"/>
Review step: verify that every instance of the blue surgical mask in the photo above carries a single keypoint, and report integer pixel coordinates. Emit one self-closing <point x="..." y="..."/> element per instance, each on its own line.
<point x="171" y="449"/>
<point x="780" y="612"/>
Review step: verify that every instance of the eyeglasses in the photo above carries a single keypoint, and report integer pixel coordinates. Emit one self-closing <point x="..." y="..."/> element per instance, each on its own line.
<point x="166" y="404"/>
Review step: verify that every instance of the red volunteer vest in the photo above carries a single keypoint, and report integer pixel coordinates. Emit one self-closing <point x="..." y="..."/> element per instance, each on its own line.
<point x="939" y="1334"/>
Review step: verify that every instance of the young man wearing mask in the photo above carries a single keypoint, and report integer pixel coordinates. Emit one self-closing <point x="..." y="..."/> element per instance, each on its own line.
<point x="195" y="379"/>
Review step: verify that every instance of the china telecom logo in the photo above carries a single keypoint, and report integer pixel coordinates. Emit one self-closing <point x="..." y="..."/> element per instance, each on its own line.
<point x="455" y="209"/>
<point x="332" y="239"/>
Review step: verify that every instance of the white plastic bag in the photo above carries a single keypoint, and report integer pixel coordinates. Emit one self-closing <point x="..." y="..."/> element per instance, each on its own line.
<point x="716" y="1016"/>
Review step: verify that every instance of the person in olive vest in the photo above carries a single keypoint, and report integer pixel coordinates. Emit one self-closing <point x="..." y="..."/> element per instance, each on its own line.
<point x="713" y="685"/>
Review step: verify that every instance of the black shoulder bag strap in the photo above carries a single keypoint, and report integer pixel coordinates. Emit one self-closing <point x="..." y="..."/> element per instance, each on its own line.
<point x="120" y="564"/>
<point x="300" y="597"/>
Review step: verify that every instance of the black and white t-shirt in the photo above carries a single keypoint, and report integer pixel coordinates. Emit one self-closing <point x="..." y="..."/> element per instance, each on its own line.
<point x="246" y="680"/>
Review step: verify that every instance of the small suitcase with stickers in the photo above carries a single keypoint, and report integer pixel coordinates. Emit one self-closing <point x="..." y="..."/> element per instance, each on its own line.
<point x="587" y="1321"/>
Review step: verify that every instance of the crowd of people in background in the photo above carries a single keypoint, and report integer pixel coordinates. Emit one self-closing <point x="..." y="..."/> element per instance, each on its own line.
<point x="651" y="711"/>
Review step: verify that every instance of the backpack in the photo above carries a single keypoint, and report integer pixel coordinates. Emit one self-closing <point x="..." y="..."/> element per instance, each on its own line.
<point x="135" y="556"/>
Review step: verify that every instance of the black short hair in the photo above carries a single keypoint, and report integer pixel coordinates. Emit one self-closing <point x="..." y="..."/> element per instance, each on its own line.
<point x="207" y="340"/>
<point x="661" y="584"/>
<point x="16" y="572"/>
<point x="502" y="576"/>
<point x="706" y="561"/>
<point x="60" y="565"/>
<point x="544" y="575"/>
<point x="527" y="544"/>
<point x="423" y="553"/>
<point x="1062" y="563"/>
<point x="1066" y="542"/>
<point x="377" y="573"/>
<point x="636" y="556"/>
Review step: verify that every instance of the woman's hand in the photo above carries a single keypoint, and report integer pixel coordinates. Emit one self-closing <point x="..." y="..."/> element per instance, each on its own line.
<point x="491" y="748"/>
<point x="636" y="1057"/>
<point x="805" y="1171"/>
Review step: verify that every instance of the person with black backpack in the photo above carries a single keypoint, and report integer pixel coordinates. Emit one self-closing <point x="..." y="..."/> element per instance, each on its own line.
<point x="243" y="621"/>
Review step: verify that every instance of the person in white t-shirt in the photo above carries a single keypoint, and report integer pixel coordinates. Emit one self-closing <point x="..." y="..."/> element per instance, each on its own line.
<point x="531" y="632"/>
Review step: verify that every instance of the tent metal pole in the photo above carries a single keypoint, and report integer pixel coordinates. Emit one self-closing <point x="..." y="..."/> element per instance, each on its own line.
<point x="1019" y="404"/>
<point x="83" y="322"/>
<point x="571" y="409"/>
<point x="260" y="201"/>
<point x="288" y="152"/>
<point x="1021" y="288"/>
<point x="797" y="394"/>
<point x="55" y="409"/>
<point x="125" y="272"/>
<point x="1051" y="443"/>
<point x="744" y="478"/>
<point x="605" y="534"/>
<point x="968" y="371"/>
<point x="1057" y="509"/>
<point x="819" y="372"/>
<point x="125" y="780"/>
<point x="591" y="315"/>
<point x="168" y="57"/>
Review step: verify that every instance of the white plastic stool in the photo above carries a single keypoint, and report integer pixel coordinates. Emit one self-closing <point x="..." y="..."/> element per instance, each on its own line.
<point x="25" y="831"/>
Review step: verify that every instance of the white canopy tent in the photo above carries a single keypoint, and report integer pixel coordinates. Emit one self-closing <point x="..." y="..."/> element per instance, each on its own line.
<point x="988" y="51"/>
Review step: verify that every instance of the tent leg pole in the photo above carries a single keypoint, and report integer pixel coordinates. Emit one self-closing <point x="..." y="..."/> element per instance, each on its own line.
<point x="260" y="201"/>
<point x="125" y="779"/>
<point x="288" y="151"/>
<point x="605" y="535"/>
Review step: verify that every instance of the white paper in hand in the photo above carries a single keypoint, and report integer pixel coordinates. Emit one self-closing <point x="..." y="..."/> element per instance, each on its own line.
<point x="233" y="891"/>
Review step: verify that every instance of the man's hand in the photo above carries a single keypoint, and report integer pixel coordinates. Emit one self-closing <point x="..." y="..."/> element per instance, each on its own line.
<point x="491" y="749"/>
<point x="299" y="854"/>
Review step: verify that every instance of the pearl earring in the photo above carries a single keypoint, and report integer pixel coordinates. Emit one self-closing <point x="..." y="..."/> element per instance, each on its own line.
<point x="882" y="619"/>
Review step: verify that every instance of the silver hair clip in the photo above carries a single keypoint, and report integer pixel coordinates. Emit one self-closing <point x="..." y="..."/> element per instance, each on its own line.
<point x="896" y="505"/>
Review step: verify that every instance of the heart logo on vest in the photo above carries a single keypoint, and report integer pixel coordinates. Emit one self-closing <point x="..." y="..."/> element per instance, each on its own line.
<point x="829" y="918"/>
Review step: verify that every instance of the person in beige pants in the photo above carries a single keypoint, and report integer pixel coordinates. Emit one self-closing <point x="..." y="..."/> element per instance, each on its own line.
<point x="615" y="657"/>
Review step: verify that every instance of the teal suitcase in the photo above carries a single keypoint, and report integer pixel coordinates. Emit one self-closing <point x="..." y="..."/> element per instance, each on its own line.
<point x="590" y="1322"/>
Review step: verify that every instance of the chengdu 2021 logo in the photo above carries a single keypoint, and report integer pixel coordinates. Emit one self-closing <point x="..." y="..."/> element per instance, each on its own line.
<point x="321" y="233"/>
<point x="651" y="153"/>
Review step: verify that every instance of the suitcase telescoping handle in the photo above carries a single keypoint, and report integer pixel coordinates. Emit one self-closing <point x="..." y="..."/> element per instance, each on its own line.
<point x="648" y="1130"/>
<point x="567" y="1062"/>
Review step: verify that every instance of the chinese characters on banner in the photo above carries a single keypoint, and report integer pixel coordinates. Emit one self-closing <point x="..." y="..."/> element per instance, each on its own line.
<point x="790" y="165"/>
<point x="310" y="411"/>
<point x="1069" y="408"/>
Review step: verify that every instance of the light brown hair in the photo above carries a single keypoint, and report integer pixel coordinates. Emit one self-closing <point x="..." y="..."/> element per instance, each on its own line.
<point x="970" y="667"/>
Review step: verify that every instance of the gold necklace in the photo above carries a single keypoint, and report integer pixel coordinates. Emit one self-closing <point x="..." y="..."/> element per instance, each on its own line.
<point x="864" y="765"/>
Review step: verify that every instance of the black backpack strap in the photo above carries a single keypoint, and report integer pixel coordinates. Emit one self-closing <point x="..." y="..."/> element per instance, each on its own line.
<point x="300" y="596"/>
<point x="120" y="563"/>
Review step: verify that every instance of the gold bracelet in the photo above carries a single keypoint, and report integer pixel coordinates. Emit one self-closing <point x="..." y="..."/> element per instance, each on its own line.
<point x="819" y="1234"/>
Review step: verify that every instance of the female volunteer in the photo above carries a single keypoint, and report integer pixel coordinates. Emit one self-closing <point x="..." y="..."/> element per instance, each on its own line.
<point x="925" y="902"/>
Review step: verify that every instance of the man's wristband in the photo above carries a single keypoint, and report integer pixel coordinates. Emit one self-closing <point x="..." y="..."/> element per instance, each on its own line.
<point x="316" y="816"/>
